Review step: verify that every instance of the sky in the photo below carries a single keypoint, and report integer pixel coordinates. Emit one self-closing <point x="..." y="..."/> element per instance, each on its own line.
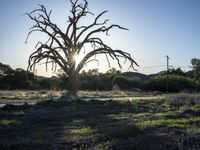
<point x="157" y="28"/>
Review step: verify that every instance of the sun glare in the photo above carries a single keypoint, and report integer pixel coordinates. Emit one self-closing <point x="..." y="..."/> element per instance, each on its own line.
<point x="75" y="57"/>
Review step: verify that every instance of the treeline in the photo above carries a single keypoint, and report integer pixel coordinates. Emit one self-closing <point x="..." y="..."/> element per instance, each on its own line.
<point x="175" y="80"/>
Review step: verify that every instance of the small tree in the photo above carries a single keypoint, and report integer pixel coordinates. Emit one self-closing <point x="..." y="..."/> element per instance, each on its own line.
<point x="5" y="69"/>
<point x="196" y="68"/>
<point x="63" y="46"/>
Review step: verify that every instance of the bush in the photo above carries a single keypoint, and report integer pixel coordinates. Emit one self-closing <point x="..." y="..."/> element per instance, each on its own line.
<point x="176" y="83"/>
<point x="122" y="82"/>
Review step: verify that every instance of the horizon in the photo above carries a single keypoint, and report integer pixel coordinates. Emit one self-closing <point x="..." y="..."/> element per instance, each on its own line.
<point x="132" y="71"/>
<point x="157" y="29"/>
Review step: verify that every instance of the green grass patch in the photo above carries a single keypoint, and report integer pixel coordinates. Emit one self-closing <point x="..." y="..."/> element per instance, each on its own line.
<point x="82" y="135"/>
<point x="165" y="114"/>
<point x="196" y="108"/>
<point x="8" y="123"/>
<point x="128" y="116"/>
<point x="169" y="123"/>
<point x="83" y="131"/>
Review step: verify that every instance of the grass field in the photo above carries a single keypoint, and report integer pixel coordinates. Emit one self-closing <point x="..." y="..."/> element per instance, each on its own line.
<point x="169" y="122"/>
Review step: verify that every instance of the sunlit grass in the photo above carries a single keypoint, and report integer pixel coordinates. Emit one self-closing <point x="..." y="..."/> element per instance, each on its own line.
<point x="82" y="131"/>
<point x="8" y="123"/>
<point x="182" y="123"/>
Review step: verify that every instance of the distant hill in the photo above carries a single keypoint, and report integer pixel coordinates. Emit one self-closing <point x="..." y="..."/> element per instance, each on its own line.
<point x="161" y="72"/>
<point x="156" y="74"/>
<point x="41" y="77"/>
<point x="142" y="76"/>
<point x="136" y="75"/>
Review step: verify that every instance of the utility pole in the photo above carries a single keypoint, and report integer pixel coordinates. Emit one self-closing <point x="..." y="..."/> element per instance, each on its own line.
<point x="167" y="63"/>
<point x="167" y="73"/>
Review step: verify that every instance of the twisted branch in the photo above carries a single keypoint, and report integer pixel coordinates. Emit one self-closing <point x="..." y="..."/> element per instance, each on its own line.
<point x="69" y="42"/>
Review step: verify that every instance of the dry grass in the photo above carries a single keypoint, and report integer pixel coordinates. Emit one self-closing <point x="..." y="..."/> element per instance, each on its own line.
<point x="183" y="99"/>
<point x="29" y="95"/>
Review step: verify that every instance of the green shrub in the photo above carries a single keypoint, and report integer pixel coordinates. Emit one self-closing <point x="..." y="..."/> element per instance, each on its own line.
<point x="175" y="83"/>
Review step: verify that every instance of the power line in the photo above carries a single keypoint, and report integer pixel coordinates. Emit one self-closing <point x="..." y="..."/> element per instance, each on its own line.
<point x="168" y="66"/>
<point x="153" y="67"/>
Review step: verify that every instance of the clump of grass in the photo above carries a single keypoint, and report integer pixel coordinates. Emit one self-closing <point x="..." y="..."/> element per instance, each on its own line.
<point x="185" y="109"/>
<point x="192" y="131"/>
<point x="196" y="108"/>
<point x="9" y="123"/>
<point x="128" y="116"/>
<point x="81" y="136"/>
<point x="164" y="115"/>
<point x="19" y="113"/>
<point x="82" y="131"/>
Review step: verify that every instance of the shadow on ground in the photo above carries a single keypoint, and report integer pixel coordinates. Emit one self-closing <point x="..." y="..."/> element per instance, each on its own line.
<point x="80" y="124"/>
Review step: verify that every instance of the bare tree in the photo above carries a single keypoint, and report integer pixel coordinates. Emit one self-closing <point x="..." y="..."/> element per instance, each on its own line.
<point x="62" y="46"/>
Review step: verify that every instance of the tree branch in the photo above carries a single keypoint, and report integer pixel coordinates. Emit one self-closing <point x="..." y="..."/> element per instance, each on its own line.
<point x="114" y="53"/>
<point x="61" y="47"/>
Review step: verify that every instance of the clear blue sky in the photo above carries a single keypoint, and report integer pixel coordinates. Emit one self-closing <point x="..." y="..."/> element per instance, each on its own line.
<point x="157" y="28"/>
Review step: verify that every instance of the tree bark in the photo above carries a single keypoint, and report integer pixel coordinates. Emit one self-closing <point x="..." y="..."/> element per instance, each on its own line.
<point x="72" y="84"/>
